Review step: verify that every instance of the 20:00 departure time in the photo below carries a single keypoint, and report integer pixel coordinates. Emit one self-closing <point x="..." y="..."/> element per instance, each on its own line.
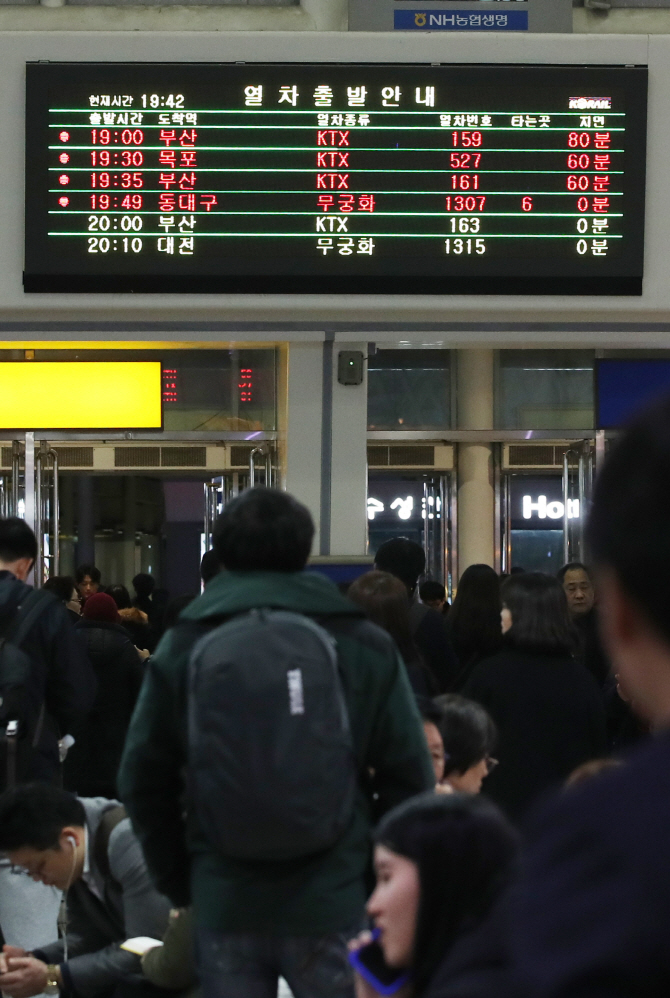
<point x="103" y="223"/>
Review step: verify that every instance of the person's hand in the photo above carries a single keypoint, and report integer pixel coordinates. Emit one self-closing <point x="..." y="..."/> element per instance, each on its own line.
<point x="144" y="653"/>
<point x="363" y="988"/>
<point x="25" y="976"/>
<point x="7" y="953"/>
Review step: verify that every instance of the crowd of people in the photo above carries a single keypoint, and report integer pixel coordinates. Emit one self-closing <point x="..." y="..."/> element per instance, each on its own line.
<point x="368" y="793"/>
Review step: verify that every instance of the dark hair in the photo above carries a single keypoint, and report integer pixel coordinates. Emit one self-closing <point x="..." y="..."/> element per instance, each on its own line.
<point x="432" y="591"/>
<point x="264" y="530"/>
<point x="468" y="732"/>
<point x="144" y="584"/>
<point x="474" y="618"/>
<point x="34" y="815"/>
<point x="62" y="586"/>
<point x="429" y="709"/>
<point x="540" y="617"/>
<point x="384" y="598"/>
<point x="465" y="852"/>
<point x="175" y="607"/>
<point x="120" y="595"/>
<point x="90" y="570"/>
<point x="572" y="566"/>
<point x="210" y="566"/>
<point x="403" y="558"/>
<point x="16" y="540"/>
<point x="628" y="529"/>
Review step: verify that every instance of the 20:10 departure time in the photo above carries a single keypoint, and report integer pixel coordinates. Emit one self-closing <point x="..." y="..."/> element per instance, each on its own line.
<point x="101" y="244"/>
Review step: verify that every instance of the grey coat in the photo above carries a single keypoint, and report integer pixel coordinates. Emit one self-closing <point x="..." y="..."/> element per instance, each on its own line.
<point x="131" y="907"/>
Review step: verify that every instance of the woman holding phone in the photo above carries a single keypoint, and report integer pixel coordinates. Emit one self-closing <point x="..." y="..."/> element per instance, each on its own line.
<point x="441" y="862"/>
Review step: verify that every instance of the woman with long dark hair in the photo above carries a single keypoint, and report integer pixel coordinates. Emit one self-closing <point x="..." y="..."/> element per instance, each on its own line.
<point x="546" y="706"/>
<point x="441" y="863"/>
<point x="474" y="619"/>
<point x="386" y="602"/>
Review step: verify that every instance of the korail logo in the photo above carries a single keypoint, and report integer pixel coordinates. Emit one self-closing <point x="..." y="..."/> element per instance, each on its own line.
<point x="590" y="103"/>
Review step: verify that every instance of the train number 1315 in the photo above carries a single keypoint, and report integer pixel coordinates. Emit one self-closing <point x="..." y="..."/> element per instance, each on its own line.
<point x="467" y="246"/>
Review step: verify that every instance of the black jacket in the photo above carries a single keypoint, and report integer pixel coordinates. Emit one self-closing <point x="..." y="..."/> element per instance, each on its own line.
<point x="590" y="917"/>
<point x="92" y="762"/>
<point x="591" y="652"/>
<point x="61" y="677"/>
<point x="431" y="638"/>
<point x="550" y="719"/>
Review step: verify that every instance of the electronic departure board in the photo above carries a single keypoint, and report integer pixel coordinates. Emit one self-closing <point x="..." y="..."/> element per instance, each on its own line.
<point x="301" y="178"/>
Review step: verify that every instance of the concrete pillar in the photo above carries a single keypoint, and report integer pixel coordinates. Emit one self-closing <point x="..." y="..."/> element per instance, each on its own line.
<point x="300" y="427"/>
<point x="323" y="444"/>
<point x="85" y="521"/>
<point x="476" y="505"/>
<point x="349" y="467"/>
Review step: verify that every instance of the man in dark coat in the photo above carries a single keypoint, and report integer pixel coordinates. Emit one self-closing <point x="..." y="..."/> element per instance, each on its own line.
<point x="61" y="680"/>
<point x="592" y="913"/>
<point x="92" y="763"/>
<point x="59" y="694"/>
<point x="256" y="919"/>
<point x="581" y="595"/>
<point x="590" y="917"/>
<point x="407" y="560"/>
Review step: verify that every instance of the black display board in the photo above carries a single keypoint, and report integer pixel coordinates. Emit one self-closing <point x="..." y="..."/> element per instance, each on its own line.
<point x="399" y="179"/>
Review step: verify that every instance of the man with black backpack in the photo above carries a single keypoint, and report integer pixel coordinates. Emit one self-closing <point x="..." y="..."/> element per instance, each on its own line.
<point x="295" y="720"/>
<point x="46" y="687"/>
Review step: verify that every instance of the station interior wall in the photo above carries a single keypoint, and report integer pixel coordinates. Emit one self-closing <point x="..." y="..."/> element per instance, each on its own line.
<point x="322" y="438"/>
<point x="467" y="321"/>
<point x="307" y="15"/>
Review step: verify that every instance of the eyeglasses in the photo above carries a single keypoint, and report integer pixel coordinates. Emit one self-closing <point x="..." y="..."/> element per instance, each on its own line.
<point x="491" y="765"/>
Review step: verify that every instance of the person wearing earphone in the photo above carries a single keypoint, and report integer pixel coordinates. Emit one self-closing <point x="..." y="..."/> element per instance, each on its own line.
<point x="86" y="848"/>
<point x="58" y="693"/>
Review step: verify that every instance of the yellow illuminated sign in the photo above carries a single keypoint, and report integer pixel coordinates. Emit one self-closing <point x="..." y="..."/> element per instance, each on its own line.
<point x="80" y="395"/>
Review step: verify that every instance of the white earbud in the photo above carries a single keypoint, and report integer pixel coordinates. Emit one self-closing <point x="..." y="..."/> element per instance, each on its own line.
<point x="73" y="842"/>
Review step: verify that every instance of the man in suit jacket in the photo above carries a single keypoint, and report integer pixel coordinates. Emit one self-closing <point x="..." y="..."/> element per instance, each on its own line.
<point x="86" y="848"/>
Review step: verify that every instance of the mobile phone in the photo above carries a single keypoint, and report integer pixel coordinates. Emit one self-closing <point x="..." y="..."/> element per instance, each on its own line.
<point x="370" y="963"/>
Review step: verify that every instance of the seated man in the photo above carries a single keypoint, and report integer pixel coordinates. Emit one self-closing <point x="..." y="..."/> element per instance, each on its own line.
<point x="87" y="849"/>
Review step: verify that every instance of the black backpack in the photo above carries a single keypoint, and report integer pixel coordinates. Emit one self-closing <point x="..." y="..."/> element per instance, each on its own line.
<point x="16" y="739"/>
<point x="272" y="773"/>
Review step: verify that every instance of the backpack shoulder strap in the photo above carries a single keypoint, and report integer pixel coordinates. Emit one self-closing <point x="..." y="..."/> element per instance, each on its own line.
<point x="108" y="823"/>
<point x="28" y="612"/>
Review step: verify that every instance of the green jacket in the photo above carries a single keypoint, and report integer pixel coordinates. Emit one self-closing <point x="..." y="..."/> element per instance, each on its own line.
<point x="311" y="896"/>
<point x="172" y="965"/>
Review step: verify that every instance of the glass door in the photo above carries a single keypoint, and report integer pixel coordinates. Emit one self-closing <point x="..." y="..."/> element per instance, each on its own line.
<point x="416" y="505"/>
<point x="543" y="513"/>
<point x="533" y="522"/>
